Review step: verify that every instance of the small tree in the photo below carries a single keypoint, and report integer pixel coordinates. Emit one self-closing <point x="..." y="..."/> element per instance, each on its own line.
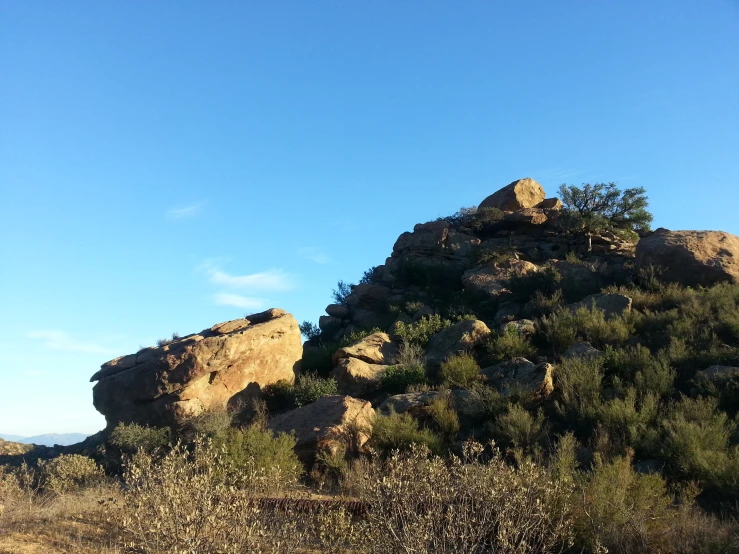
<point x="342" y="292"/>
<point x="600" y="207"/>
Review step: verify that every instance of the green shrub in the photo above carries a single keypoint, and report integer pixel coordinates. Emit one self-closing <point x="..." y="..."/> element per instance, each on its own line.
<point x="696" y="444"/>
<point x="319" y="358"/>
<point x="545" y="304"/>
<point x="445" y="419"/>
<point x="310" y="330"/>
<point x="68" y="472"/>
<point x="623" y="511"/>
<point x="459" y="370"/>
<point x="578" y="388"/>
<point x="401" y="431"/>
<point x="256" y="453"/>
<point x="564" y="328"/>
<point x="629" y="421"/>
<point x="421" y="331"/>
<point x="506" y="346"/>
<point x="309" y="388"/>
<point x="524" y="286"/>
<point x="341" y="293"/>
<point x="132" y="437"/>
<point x="210" y="423"/>
<point x="520" y="429"/>
<point x="637" y="365"/>
<point x="398" y="378"/>
<point x="279" y="396"/>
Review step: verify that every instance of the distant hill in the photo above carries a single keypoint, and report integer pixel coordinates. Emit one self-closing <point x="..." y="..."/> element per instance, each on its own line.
<point x="64" y="439"/>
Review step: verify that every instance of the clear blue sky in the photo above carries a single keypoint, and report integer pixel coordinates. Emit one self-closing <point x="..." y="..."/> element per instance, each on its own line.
<point x="168" y="165"/>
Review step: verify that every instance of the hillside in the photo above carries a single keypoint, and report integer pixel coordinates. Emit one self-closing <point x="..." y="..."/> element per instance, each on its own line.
<point x="528" y="375"/>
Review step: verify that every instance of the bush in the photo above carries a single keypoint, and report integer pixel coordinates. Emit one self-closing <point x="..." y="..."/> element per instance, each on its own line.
<point x="564" y="328"/>
<point x="401" y="431"/>
<point x="525" y="285"/>
<point x="629" y="421"/>
<point x="210" y="423"/>
<point x="309" y="388"/>
<point x="341" y="293"/>
<point x="651" y="374"/>
<point x="132" y="437"/>
<point x="459" y="370"/>
<point x="279" y="396"/>
<point x="369" y="277"/>
<point x="474" y="507"/>
<point x="578" y="389"/>
<point x="397" y="379"/>
<point x="445" y="419"/>
<point x="256" y="454"/>
<point x="420" y="332"/>
<point x="520" y="429"/>
<point x="509" y="345"/>
<point x="310" y="330"/>
<point x="696" y="444"/>
<point x="68" y="472"/>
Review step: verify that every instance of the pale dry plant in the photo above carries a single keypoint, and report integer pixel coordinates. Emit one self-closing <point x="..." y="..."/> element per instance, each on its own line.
<point x="465" y="505"/>
<point x="192" y="502"/>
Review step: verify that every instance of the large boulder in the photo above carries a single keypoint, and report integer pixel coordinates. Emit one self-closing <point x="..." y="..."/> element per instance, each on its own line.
<point x="519" y="375"/>
<point x="168" y="384"/>
<point x="524" y="193"/>
<point x="456" y="338"/>
<point x="411" y="402"/>
<point x="377" y="348"/>
<point x="491" y="280"/>
<point x="612" y="305"/>
<point x="356" y="377"/>
<point x="326" y="425"/>
<point x="691" y="258"/>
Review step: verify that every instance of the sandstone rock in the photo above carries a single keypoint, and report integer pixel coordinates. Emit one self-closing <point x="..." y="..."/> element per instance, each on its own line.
<point x="519" y="375"/>
<point x="491" y="280"/>
<point x="326" y="424"/>
<point x="412" y="402"/>
<point x="550" y="204"/>
<point x="528" y="216"/>
<point x="612" y="304"/>
<point x="582" y="350"/>
<point x="524" y="327"/>
<point x="524" y="193"/>
<point x="377" y="348"/>
<point x="718" y="372"/>
<point x="508" y="311"/>
<point x="168" y="384"/>
<point x="460" y="337"/>
<point x="356" y="377"/>
<point x="691" y="258"/>
<point x="329" y="324"/>
<point x="337" y="310"/>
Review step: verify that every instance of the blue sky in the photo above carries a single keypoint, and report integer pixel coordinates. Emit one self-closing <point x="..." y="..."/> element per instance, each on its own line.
<point x="168" y="165"/>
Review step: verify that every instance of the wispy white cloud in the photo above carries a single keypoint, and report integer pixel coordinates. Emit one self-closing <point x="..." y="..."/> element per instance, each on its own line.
<point x="54" y="339"/>
<point x="314" y="254"/>
<point x="182" y="212"/>
<point x="272" y="279"/>
<point x="228" y="299"/>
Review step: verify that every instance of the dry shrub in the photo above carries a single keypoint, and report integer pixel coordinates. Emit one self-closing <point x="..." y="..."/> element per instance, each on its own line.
<point x="192" y="502"/>
<point x="459" y="370"/>
<point x="466" y="506"/>
<point x="68" y="472"/>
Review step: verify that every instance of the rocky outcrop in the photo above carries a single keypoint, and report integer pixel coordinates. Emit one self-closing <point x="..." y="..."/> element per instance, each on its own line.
<point x="326" y="425"/>
<point x="377" y="348"/>
<point x="411" y="402"/>
<point x="524" y="193"/>
<point x="519" y="375"/>
<point x="718" y="373"/>
<point x="612" y="305"/>
<point x="166" y="385"/>
<point x="691" y="258"/>
<point x="523" y="327"/>
<point x="491" y="280"/>
<point x="356" y="378"/>
<point x="582" y="350"/>
<point x="457" y="338"/>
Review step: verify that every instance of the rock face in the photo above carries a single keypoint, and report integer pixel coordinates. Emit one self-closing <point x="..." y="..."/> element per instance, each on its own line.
<point x="521" y="375"/>
<point x="168" y="384"/>
<point x="456" y="338"/>
<point x="524" y="193"/>
<point x="326" y="424"/>
<point x="691" y="257"/>
<point x="411" y="402"/>
<point x="377" y="348"/>
<point x="613" y="305"/>
<point x="491" y="280"/>
<point x="582" y="350"/>
<point x="356" y="377"/>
